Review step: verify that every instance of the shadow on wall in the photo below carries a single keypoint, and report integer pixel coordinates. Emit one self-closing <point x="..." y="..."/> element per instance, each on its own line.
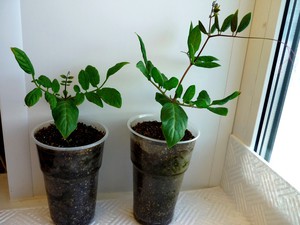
<point x="2" y="153"/>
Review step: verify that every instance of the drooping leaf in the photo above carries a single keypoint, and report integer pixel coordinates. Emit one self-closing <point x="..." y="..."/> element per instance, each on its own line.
<point x="160" y="98"/>
<point x="55" y="86"/>
<point x="51" y="99"/>
<point x="111" y="71"/>
<point x="93" y="74"/>
<point x="157" y="76"/>
<point x="23" y="60"/>
<point x="194" y="40"/>
<point x="94" y="98"/>
<point x="244" y="23"/>
<point x="201" y="27"/>
<point x="33" y="97"/>
<point x="143" y="49"/>
<point x="44" y="81"/>
<point x="174" y="123"/>
<point x="171" y="83"/>
<point x="227" y="99"/>
<point x="83" y="80"/>
<point x="222" y="111"/>
<point x="65" y="116"/>
<point x="227" y="23"/>
<point x="234" y="21"/>
<point x="189" y="94"/>
<point x="141" y="66"/>
<point x="206" y="62"/>
<point x="111" y="96"/>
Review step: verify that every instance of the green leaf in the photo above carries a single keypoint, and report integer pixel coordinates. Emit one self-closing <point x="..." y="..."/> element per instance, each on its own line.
<point x="244" y="23"/>
<point x="143" y="49"/>
<point x="51" y="99"/>
<point x="162" y="99"/>
<point x="157" y="76"/>
<point x="78" y="98"/>
<point x="83" y="80"/>
<point x="111" y="71"/>
<point x="234" y="21"/>
<point x="206" y="62"/>
<point x="111" y="96"/>
<point x="171" y="83"/>
<point x="76" y="88"/>
<point x="217" y="22"/>
<point x="55" y="86"/>
<point x="179" y="91"/>
<point x="33" y="97"/>
<point x="227" y="23"/>
<point x="174" y="123"/>
<point x="65" y="116"/>
<point x="227" y="99"/>
<point x="44" y="81"/>
<point x="93" y="74"/>
<point x="201" y="27"/>
<point x="141" y="66"/>
<point x="213" y="29"/>
<point x="222" y="111"/>
<point x="203" y="100"/>
<point x="194" y="40"/>
<point x="189" y="94"/>
<point x="23" y="60"/>
<point x="94" y="98"/>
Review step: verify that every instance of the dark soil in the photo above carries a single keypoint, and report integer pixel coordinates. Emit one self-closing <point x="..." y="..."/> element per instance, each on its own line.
<point x="153" y="130"/>
<point x="83" y="135"/>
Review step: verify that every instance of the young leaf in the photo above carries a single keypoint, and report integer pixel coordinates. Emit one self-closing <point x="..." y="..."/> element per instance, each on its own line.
<point x="94" y="98"/>
<point x="78" y="98"/>
<point x="203" y="100"/>
<point x="76" y="88"/>
<point x="222" y="111"/>
<point x="23" y="60"/>
<point x="227" y="99"/>
<point x="174" y="123"/>
<point x="227" y="23"/>
<point x="141" y="66"/>
<point x="111" y="96"/>
<point x="234" y="21"/>
<point x="143" y="49"/>
<point x="83" y="80"/>
<point x="189" y="94"/>
<point x="162" y="99"/>
<point x="111" y="71"/>
<point x="179" y="91"/>
<point x="217" y="22"/>
<point x="33" y="97"/>
<point x="213" y="29"/>
<point x="51" y="99"/>
<point x="201" y="27"/>
<point x="157" y="76"/>
<point x="93" y="74"/>
<point x="55" y="86"/>
<point x="194" y="40"/>
<point x="44" y="81"/>
<point x="65" y="116"/>
<point x="244" y="23"/>
<point x="171" y="83"/>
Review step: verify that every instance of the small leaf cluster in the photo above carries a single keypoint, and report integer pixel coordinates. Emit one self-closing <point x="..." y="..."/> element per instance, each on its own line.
<point x="173" y="116"/>
<point x="63" y="105"/>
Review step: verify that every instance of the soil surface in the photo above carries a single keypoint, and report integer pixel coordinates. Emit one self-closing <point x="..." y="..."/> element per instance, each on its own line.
<point x="153" y="130"/>
<point x="83" y="135"/>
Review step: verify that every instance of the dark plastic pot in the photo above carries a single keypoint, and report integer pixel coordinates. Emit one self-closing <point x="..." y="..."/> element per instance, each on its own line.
<point x="71" y="179"/>
<point x="157" y="173"/>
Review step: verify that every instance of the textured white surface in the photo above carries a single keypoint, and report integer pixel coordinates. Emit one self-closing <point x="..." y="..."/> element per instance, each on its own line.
<point x="260" y="193"/>
<point x="205" y="207"/>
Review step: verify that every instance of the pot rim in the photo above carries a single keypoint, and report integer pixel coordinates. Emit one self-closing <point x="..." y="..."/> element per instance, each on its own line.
<point x="97" y="125"/>
<point x="142" y="117"/>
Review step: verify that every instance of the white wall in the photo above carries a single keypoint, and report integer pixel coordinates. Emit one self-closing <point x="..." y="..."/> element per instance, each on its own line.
<point x="67" y="35"/>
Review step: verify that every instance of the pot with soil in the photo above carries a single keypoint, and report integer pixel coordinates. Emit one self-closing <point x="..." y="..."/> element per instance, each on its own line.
<point x="157" y="170"/>
<point x="71" y="173"/>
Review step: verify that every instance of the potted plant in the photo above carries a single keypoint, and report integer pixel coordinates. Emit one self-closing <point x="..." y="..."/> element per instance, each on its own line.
<point x="70" y="151"/>
<point x="161" y="148"/>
